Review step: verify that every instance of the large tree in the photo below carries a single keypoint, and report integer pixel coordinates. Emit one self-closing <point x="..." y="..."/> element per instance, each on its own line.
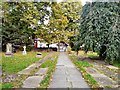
<point x="25" y="19"/>
<point x="100" y="30"/>
<point x="54" y="30"/>
<point x="72" y="10"/>
<point x="20" y="20"/>
<point x="17" y="22"/>
<point x="62" y="24"/>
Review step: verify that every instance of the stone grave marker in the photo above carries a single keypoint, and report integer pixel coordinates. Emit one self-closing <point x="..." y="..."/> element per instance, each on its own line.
<point x="103" y="80"/>
<point x="24" y="51"/>
<point x="32" y="82"/>
<point x="112" y="67"/>
<point x="42" y="71"/>
<point x="9" y="50"/>
<point x="52" y="59"/>
<point x="39" y="55"/>
<point x="92" y="70"/>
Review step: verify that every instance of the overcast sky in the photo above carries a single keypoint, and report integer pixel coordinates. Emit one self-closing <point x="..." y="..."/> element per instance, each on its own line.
<point x="84" y="1"/>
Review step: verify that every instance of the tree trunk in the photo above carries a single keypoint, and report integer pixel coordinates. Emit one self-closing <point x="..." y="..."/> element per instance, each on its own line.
<point x="77" y="52"/>
<point x="93" y="47"/>
<point x="48" y="47"/>
<point x="58" y="46"/>
<point x="102" y="54"/>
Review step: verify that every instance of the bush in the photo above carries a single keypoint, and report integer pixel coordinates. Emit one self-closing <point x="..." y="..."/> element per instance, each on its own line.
<point x="69" y="50"/>
<point x="29" y="48"/>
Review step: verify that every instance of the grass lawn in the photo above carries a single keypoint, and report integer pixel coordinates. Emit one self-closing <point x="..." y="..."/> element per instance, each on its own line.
<point x="117" y="64"/>
<point x="94" y="55"/>
<point x="18" y="62"/>
<point x="8" y="85"/>
<point x="88" y="54"/>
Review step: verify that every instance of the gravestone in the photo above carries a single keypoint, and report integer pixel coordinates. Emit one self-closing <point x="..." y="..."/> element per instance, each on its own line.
<point x="9" y="50"/>
<point x="24" y="51"/>
<point x="41" y="71"/>
<point x="32" y="82"/>
<point x="52" y="59"/>
<point x="39" y="55"/>
<point x="91" y="70"/>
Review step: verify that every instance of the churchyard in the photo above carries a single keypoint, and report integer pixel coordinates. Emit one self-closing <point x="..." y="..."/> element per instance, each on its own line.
<point x="20" y="69"/>
<point x="60" y="45"/>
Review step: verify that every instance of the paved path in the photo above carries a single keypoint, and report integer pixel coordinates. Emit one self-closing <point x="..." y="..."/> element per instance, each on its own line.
<point x="66" y="75"/>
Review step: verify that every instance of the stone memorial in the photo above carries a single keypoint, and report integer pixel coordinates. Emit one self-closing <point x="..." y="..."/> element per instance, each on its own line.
<point x="9" y="50"/>
<point x="41" y="71"/>
<point x="39" y="55"/>
<point x="24" y="51"/>
<point x="32" y="82"/>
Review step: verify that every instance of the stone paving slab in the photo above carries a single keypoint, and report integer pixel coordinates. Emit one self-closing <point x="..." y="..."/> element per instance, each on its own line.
<point x="72" y="71"/>
<point x="28" y="70"/>
<point x="104" y="80"/>
<point x="73" y="78"/>
<point x="31" y="66"/>
<point x="111" y="89"/>
<point x="79" y="84"/>
<point x="107" y="72"/>
<point x="59" y="84"/>
<point x="42" y="71"/>
<point x="80" y="89"/>
<point x="92" y="70"/>
<point x="99" y="75"/>
<point x="59" y="72"/>
<point x="32" y="82"/>
<point x="35" y="65"/>
<point x="58" y="89"/>
<point x="25" y="89"/>
<point x="61" y="78"/>
<point x="112" y="67"/>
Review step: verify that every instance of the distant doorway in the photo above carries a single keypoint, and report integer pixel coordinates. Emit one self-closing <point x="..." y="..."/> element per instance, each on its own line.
<point x="62" y="46"/>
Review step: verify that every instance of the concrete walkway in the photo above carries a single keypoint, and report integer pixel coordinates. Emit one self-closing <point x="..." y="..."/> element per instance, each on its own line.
<point x="66" y="75"/>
